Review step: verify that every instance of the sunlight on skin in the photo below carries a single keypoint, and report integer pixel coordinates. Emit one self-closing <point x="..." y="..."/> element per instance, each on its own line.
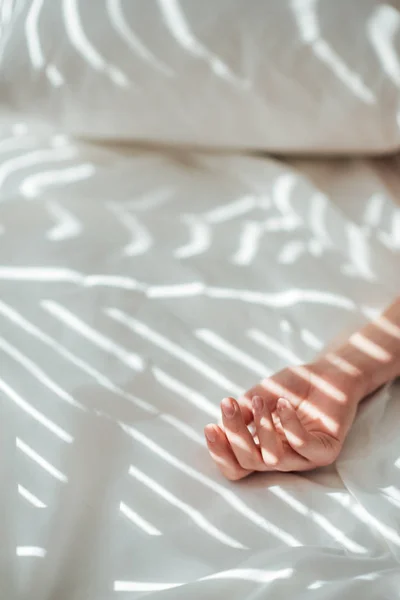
<point x="31" y="551"/>
<point x="46" y="466"/>
<point x="228" y="496"/>
<point x="238" y="356"/>
<point x="31" y="498"/>
<point x="342" y="364"/>
<point x="388" y="327"/>
<point x="34" y="185"/>
<point x="368" y="347"/>
<point x="138" y="520"/>
<point x="131" y="360"/>
<point x="310" y="416"/>
<point x="179" y="27"/>
<point x="236" y="440"/>
<point x="254" y="575"/>
<point x="119" y="21"/>
<point x="81" y="43"/>
<point x="190" y="511"/>
<point x="68" y="226"/>
<point x="280" y="391"/>
<point x="320" y="383"/>
<point x="236" y="450"/>
<point x="34" y="413"/>
<point x="200" y="234"/>
<point x="16" y="318"/>
<point x="173" y="349"/>
<point x="319" y="519"/>
<point x="198" y="400"/>
<point x="38" y="373"/>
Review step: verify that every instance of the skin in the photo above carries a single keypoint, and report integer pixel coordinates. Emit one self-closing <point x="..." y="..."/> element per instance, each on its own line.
<point x="298" y="419"/>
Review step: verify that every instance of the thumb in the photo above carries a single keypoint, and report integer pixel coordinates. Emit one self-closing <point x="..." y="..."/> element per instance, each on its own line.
<point x="315" y="447"/>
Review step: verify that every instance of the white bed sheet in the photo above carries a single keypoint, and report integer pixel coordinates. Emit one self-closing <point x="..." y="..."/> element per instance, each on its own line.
<point x="138" y="288"/>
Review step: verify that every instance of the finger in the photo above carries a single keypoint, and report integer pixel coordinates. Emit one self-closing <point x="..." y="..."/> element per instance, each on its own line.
<point x="245" y="408"/>
<point x="240" y="438"/>
<point x="270" y="445"/>
<point x="258" y="390"/>
<point x="222" y="454"/>
<point x="303" y="442"/>
<point x="291" y="461"/>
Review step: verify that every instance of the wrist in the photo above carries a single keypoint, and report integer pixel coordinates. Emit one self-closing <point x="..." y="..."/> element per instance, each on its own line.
<point x="368" y="359"/>
<point x="359" y="367"/>
<point x="371" y="363"/>
<point x="345" y="371"/>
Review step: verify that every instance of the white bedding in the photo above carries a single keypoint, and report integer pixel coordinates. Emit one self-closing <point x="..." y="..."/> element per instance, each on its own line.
<point x="286" y="76"/>
<point x="137" y="289"/>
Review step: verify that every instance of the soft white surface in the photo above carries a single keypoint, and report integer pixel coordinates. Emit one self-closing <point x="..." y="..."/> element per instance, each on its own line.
<point x="287" y="75"/>
<point x="131" y="288"/>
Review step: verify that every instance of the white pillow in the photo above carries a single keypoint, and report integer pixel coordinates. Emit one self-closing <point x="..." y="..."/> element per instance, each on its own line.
<point x="280" y="75"/>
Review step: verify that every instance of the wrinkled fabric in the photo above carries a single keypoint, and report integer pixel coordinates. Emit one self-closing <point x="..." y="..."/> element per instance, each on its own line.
<point x="291" y="76"/>
<point x="137" y="288"/>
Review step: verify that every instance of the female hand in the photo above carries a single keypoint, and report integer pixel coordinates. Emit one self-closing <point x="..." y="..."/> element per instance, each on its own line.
<point x="300" y="419"/>
<point x="301" y="415"/>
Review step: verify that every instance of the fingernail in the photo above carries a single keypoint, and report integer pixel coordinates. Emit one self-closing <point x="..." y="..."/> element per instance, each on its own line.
<point x="258" y="404"/>
<point x="228" y="408"/>
<point x="283" y="404"/>
<point x="210" y="433"/>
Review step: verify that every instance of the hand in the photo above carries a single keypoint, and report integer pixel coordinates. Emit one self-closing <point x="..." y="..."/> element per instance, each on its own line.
<point x="300" y="419"/>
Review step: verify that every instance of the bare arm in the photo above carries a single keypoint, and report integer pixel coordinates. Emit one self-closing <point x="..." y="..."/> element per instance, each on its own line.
<point x="372" y="353"/>
<point x="303" y="414"/>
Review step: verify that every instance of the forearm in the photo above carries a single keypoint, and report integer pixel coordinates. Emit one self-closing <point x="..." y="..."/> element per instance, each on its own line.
<point x="373" y="352"/>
